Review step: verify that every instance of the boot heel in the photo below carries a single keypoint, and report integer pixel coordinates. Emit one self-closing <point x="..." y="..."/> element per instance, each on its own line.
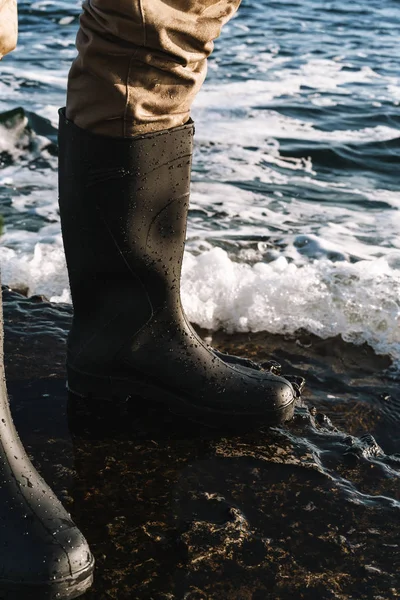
<point x="86" y="385"/>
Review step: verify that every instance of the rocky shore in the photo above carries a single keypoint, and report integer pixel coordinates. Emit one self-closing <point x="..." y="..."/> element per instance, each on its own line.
<point x="174" y="511"/>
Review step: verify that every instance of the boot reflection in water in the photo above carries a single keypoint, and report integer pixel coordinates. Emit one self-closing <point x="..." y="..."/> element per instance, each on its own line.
<point x="43" y="555"/>
<point x="126" y="141"/>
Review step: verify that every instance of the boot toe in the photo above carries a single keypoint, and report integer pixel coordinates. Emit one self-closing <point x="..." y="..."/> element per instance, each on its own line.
<point x="75" y="557"/>
<point x="248" y="396"/>
<point x="270" y="394"/>
<point x="59" y="566"/>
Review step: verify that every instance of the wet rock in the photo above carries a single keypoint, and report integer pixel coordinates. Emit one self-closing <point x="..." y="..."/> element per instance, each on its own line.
<point x="363" y="447"/>
<point x="174" y="511"/>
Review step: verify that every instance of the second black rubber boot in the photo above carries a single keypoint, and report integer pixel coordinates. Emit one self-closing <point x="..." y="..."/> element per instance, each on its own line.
<point x="123" y="208"/>
<point x="43" y="555"/>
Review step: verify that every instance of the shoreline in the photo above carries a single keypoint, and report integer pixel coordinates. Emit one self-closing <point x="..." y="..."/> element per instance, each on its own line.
<point x="175" y="511"/>
<point x="339" y="376"/>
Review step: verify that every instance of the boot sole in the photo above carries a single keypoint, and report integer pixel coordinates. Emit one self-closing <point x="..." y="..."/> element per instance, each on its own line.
<point x="92" y="387"/>
<point x="62" y="589"/>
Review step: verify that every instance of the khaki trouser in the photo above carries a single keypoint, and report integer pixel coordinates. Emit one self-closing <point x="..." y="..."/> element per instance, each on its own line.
<point x="140" y="62"/>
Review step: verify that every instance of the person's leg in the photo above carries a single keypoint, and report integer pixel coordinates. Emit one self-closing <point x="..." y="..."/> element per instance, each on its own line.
<point x="43" y="555"/>
<point x="125" y="161"/>
<point x="141" y="62"/>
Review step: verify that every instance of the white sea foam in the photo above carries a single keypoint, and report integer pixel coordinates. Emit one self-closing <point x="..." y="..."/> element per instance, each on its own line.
<point x="320" y="75"/>
<point x="360" y="302"/>
<point x="14" y="139"/>
<point x="40" y="76"/>
<point x="255" y="124"/>
<point x="42" y="271"/>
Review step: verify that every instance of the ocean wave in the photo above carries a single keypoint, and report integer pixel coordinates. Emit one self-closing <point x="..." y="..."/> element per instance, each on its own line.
<point x="358" y="301"/>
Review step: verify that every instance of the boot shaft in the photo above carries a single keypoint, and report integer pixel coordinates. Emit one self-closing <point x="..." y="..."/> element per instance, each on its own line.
<point x="123" y="208"/>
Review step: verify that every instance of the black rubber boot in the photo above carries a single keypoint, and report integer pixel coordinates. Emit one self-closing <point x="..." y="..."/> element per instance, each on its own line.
<point x="123" y="208"/>
<point x="43" y="555"/>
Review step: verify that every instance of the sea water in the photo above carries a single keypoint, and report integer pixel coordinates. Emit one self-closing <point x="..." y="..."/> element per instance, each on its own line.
<point x="294" y="218"/>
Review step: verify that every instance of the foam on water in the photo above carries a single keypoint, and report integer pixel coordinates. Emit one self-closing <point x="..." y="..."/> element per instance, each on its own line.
<point x="360" y="301"/>
<point x="13" y="140"/>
